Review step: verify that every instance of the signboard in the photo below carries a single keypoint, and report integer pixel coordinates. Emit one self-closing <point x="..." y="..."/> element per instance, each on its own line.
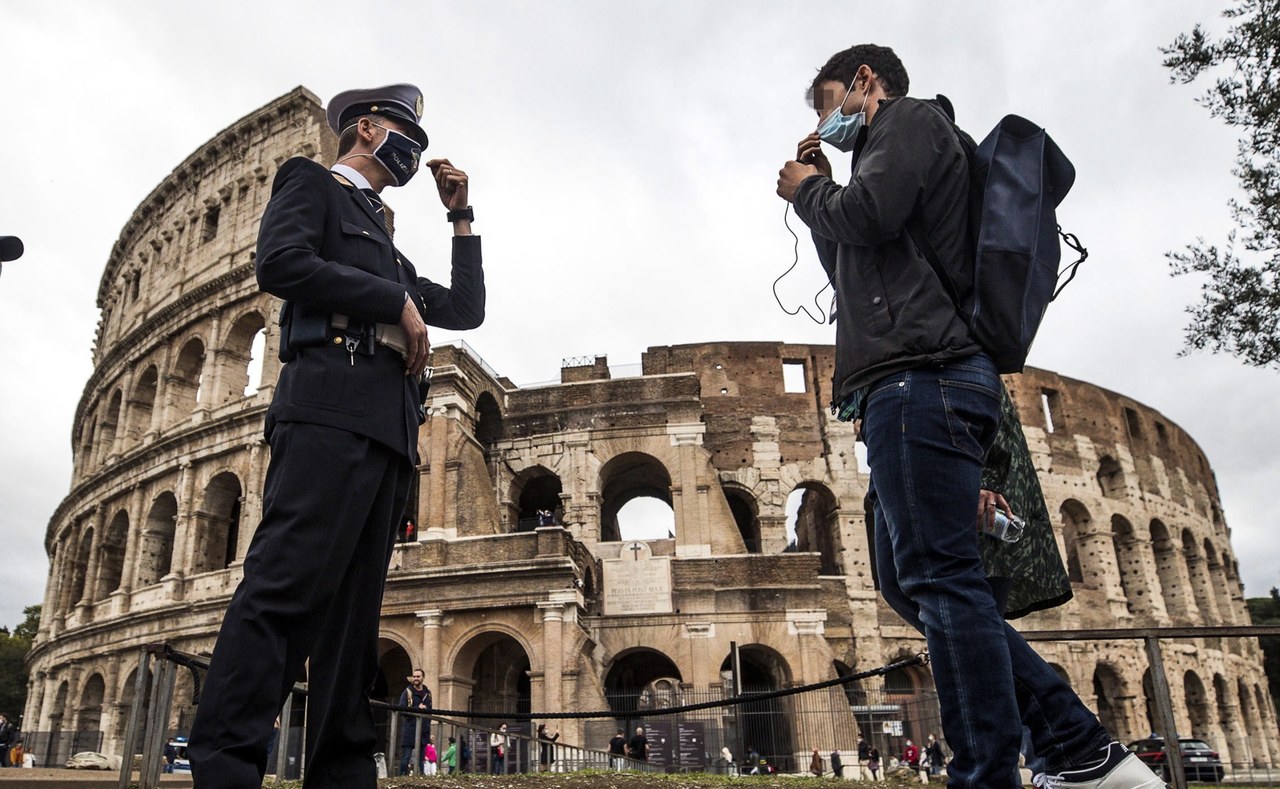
<point x="637" y="583"/>
<point x="658" y="733"/>
<point x="691" y="744"/>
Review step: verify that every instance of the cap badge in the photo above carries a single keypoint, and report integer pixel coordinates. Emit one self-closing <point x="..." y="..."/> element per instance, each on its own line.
<point x="417" y="106"/>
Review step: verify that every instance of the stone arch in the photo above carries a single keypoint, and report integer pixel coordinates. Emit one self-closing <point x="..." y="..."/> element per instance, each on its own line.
<point x="498" y="665"/>
<point x="89" y="709"/>
<point x="111" y="555"/>
<point x="631" y="673"/>
<point x="1217" y="576"/>
<point x="629" y="477"/>
<point x="488" y="430"/>
<point x="1129" y="560"/>
<point x="1168" y="570"/>
<point x="142" y="404"/>
<point x="242" y="355"/>
<point x="1076" y="522"/>
<point x="1061" y="672"/>
<point x="80" y="568"/>
<point x="767" y="725"/>
<point x="394" y="664"/>
<point x="911" y="688"/>
<point x="1197" y="705"/>
<point x="1108" y="690"/>
<point x="1236" y="745"/>
<point x="57" y="715"/>
<point x="108" y="429"/>
<point x="1198" y="573"/>
<point x="536" y="489"/>
<point x="1111" y="478"/>
<point x="1251" y="720"/>
<point x="155" y="557"/>
<point x="217" y="523"/>
<point x="183" y="385"/>
<point x="813" y="525"/>
<point x="746" y="514"/>
<point x="125" y="695"/>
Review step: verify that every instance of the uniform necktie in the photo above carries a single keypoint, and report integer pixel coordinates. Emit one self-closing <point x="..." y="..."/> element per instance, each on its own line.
<point x="381" y="208"/>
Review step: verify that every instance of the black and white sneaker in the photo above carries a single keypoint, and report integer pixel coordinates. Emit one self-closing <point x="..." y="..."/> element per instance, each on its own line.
<point x="1118" y="769"/>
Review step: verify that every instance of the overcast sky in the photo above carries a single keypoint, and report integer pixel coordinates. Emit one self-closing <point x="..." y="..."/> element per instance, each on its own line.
<point x="622" y="160"/>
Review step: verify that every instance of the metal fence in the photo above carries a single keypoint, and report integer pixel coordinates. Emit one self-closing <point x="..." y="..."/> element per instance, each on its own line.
<point x="54" y="748"/>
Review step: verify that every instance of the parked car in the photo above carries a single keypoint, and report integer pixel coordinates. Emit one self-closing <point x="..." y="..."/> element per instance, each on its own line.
<point x="1199" y="761"/>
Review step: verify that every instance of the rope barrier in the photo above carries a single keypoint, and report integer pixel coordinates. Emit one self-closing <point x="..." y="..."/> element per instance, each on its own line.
<point x="195" y="662"/>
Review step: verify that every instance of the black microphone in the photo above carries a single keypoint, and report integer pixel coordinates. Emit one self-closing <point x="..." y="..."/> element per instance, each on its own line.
<point x="10" y="248"/>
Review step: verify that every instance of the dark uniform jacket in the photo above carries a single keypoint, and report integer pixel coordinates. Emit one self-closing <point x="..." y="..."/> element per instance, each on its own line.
<point x="892" y="311"/>
<point x="325" y="249"/>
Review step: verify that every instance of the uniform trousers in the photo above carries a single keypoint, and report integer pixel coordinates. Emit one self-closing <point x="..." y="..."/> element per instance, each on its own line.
<point x="312" y="588"/>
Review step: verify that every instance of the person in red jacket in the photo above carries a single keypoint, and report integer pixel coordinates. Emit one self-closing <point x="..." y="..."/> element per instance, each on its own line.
<point x="911" y="755"/>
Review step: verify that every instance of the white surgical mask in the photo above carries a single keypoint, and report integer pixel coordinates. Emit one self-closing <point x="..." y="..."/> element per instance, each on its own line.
<point x="841" y="130"/>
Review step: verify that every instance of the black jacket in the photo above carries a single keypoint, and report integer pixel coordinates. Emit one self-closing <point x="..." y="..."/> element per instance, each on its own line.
<point x="892" y="311"/>
<point x="322" y="247"/>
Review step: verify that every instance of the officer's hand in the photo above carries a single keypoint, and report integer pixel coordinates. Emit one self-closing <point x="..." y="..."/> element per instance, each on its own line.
<point x="790" y="176"/>
<point x="988" y="502"/>
<point x="451" y="183"/>
<point x="809" y="151"/>
<point x="415" y="333"/>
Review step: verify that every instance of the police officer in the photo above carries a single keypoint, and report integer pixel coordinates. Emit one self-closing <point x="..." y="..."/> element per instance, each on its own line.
<point x="343" y="429"/>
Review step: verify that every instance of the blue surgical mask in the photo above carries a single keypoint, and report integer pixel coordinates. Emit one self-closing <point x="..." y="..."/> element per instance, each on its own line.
<point x="842" y="130"/>
<point x="398" y="153"/>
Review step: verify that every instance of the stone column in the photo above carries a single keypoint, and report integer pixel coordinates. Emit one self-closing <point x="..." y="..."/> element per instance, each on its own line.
<point x="431" y="620"/>
<point x="184" y="536"/>
<point x="94" y="565"/>
<point x="137" y="522"/>
<point x="552" y="654"/>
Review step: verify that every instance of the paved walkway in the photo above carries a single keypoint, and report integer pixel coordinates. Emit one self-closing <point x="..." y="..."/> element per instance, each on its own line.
<point x="52" y="777"/>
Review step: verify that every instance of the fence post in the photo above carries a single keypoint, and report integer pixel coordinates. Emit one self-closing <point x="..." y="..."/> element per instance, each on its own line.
<point x="282" y="739"/>
<point x="415" y="763"/>
<point x="1164" y="709"/>
<point x="157" y="723"/>
<point x="393" y="742"/>
<point x="132" y="732"/>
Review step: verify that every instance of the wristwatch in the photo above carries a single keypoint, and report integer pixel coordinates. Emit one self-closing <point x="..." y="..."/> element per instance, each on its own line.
<point x="463" y="213"/>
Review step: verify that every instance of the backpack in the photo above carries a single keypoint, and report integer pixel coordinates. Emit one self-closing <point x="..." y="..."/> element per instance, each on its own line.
<point x="1017" y="178"/>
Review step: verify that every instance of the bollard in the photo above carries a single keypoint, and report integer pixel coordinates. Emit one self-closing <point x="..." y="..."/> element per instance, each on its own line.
<point x="1164" y="711"/>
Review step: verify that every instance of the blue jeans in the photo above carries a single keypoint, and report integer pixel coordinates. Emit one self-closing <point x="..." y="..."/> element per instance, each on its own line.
<point x="927" y="431"/>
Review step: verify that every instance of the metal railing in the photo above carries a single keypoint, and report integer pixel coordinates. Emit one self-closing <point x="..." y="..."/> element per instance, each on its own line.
<point x="825" y="711"/>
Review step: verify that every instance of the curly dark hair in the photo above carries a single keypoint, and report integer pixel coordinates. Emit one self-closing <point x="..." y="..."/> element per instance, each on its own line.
<point x="882" y="60"/>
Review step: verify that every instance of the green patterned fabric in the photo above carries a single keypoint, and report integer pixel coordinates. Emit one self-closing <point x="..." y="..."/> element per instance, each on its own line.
<point x="1031" y="567"/>
<point x="1032" y="564"/>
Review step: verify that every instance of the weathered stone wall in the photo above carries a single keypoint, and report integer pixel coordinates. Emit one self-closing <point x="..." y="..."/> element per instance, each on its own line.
<point x="520" y="498"/>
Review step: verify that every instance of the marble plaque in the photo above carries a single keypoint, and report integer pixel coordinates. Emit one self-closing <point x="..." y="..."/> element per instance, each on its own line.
<point x="637" y="583"/>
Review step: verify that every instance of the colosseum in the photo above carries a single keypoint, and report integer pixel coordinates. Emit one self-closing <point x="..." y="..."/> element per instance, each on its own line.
<point x="530" y="582"/>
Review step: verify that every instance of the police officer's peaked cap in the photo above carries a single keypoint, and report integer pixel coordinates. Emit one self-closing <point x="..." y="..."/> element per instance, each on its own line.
<point x="402" y="102"/>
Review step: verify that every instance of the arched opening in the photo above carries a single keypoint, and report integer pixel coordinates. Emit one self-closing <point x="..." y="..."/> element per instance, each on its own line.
<point x="111" y="555"/>
<point x="488" y="424"/>
<point x="1108" y="689"/>
<point x="142" y="404"/>
<point x="765" y="725"/>
<point x="813" y="525"/>
<point x="1076" y="522"/>
<point x="1167" y="560"/>
<point x="128" y="690"/>
<point x="636" y="500"/>
<point x="155" y="555"/>
<point x="499" y="670"/>
<point x="80" y="567"/>
<point x="1217" y="575"/>
<point x="1198" y="573"/>
<point x="537" y="494"/>
<point x="242" y="357"/>
<point x="184" y="382"/>
<point x="217" y="524"/>
<point x="89" y="712"/>
<point x="911" y="689"/>
<point x="110" y="423"/>
<point x="638" y="680"/>
<point x="394" y="669"/>
<point x="1197" y="704"/>
<point x="1111" y="478"/>
<point x="1129" y="559"/>
<point x="746" y="514"/>
<point x="1251" y="721"/>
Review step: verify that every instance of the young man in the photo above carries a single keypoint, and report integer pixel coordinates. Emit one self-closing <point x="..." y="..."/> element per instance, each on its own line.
<point x="343" y="427"/>
<point x="418" y="696"/>
<point x="929" y="400"/>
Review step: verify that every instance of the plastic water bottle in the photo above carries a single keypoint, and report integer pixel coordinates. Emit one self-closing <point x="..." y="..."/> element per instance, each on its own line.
<point x="1004" y="527"/>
